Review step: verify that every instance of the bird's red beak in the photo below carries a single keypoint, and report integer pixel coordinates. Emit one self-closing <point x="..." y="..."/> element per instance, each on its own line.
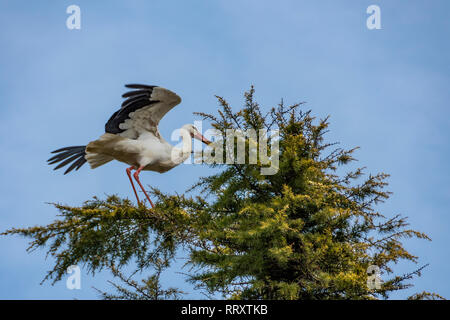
<point x="198" y="136"/>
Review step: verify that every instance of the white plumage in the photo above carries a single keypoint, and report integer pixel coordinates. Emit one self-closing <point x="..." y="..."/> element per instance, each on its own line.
<point x="132" y="136"/>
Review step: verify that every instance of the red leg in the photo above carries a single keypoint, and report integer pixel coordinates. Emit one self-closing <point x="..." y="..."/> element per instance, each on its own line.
<point x="132" y="184"/>
<point x="136" y="176"/>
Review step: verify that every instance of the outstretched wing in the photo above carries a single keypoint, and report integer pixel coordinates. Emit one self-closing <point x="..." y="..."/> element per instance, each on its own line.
<point x="141" y="111"/>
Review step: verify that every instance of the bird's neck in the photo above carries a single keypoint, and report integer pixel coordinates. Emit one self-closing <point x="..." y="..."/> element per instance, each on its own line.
<point x="179" y="155"/>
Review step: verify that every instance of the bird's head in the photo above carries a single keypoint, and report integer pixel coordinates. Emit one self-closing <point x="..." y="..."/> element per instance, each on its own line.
<point x="194" y="133"/>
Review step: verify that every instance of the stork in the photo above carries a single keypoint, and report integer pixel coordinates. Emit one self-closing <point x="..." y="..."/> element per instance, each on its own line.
<point x="132" y="137"/>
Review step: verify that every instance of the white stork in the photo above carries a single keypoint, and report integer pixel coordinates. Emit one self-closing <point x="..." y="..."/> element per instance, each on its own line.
<point x="132" y="136"/>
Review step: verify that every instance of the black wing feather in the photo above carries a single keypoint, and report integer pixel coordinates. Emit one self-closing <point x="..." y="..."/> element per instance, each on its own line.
<point x="76" y="164"/>
<point x="61" y="156"/>
<point x="112" y="126"/>
<point x="139" y="86"/>
<point x="136" y="99"/>
<point x="68" y="148"/>
<point x="68" y="154"/>
<point x="134" y="93"/>
<point x="69" y="160"/>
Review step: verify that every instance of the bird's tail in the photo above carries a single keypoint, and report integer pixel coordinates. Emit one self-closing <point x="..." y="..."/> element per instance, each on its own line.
<point x="66" y="155"/>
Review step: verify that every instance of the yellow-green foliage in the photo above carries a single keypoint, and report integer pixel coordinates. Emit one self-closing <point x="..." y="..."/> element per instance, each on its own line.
<point x="304" y="233"/>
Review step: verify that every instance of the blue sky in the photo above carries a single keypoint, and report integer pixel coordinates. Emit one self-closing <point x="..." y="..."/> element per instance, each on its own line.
<point x="385" y="90"/>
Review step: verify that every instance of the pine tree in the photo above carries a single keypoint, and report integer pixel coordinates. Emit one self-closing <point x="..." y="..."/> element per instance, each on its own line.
<point x="305" y="232"/>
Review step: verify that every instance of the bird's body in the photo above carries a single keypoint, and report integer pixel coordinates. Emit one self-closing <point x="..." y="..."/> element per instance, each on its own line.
<point x="151" y="152"/>
<point x="132" y="137"/>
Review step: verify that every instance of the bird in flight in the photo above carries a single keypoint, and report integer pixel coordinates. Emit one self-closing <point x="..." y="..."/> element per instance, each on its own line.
<point x="132" y="136"/>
